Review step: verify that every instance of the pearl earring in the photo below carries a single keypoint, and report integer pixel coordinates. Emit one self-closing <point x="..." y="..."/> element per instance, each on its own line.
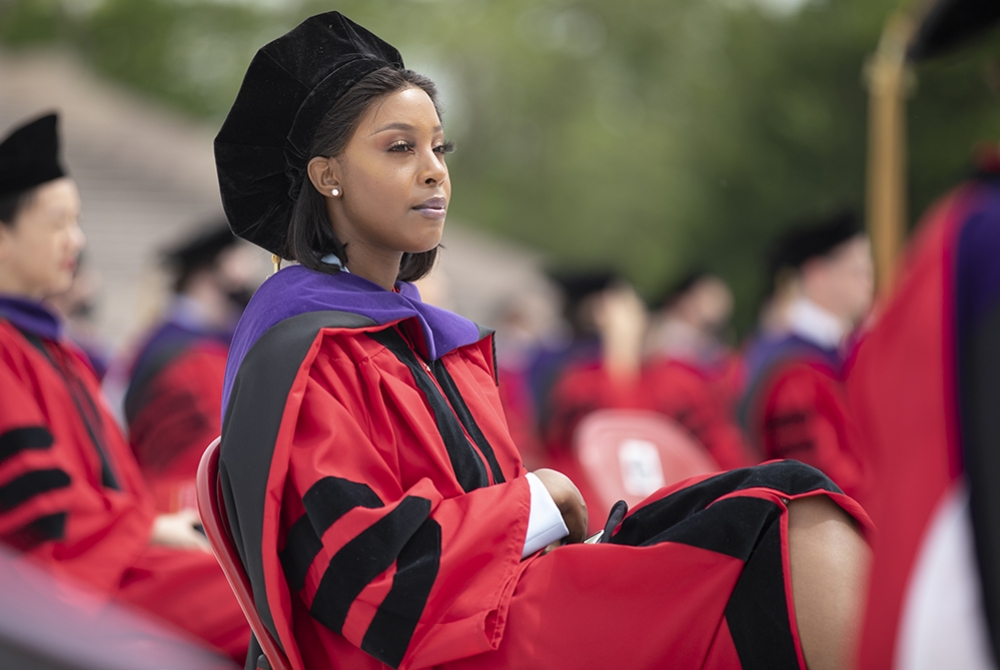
<point x="335" y="192"/>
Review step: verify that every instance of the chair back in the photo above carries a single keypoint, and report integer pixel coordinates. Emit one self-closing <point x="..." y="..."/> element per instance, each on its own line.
<point x="630" y="454"/>
<point x="213" y="517"/>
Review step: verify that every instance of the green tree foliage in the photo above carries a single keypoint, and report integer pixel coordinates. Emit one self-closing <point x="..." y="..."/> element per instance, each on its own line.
<point x="648" y="135"/>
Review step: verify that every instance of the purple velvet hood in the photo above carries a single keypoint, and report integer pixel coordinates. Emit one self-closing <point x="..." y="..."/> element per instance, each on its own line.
<point x="296" y="290"/>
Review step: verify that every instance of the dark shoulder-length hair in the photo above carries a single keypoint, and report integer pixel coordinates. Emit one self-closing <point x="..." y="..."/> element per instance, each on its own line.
<point x="310" y="232"/>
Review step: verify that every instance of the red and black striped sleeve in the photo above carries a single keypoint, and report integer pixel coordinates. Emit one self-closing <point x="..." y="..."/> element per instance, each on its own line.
<point x="400" y="569"/>
<point x="35" y="487"/>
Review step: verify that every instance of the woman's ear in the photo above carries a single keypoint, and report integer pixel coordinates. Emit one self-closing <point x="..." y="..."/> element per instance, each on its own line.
<point x="324" y="175"/>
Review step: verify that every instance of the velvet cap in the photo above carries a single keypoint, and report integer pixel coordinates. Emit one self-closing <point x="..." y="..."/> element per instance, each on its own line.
<point x="577" y="285"/>
<point x="202" y="248"/>
<point x="682" y="285"/>
<point x="29" y="156"/>
<point x="262" y="149"/>
<point x="949" y="24"/>
<point x="804" y="243"/>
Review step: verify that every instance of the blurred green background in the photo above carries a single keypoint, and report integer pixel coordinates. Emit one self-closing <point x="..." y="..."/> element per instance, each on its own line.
<point x="646" y="135"/>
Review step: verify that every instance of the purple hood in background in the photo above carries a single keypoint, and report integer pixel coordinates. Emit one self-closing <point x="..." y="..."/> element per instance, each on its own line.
<point x="296" y="290"/>
<point x="31" y="316"/>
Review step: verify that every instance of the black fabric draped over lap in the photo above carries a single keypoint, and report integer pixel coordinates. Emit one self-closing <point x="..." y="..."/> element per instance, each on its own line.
<point x="747" y="529"/>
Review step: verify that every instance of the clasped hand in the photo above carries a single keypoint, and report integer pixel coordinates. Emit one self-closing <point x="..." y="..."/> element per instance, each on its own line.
<point x="178" y="531"/>
<point x="569" y="501"/>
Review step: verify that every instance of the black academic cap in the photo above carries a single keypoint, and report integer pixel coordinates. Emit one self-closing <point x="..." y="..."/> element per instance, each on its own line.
<point x="201" y="249"/>
<point x="805" y="242"/>
<point x="29" y="156"/>
<point x="949" y="23"/>
<point x="263" y="147"/>
<point x="579" y="284"/>
<point x="676" y="289"/>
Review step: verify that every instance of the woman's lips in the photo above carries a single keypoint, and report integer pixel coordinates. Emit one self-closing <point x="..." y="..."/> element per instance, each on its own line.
<point x="435" y="208"/>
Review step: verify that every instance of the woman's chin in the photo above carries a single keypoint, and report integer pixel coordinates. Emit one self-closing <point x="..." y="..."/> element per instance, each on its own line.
<point x="425" y="245"/>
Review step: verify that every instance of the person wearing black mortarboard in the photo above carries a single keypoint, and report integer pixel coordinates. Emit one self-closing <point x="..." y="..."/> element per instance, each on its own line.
<point x="71" y="495"/>
<point x="375" y="497"/>
<point x="794" y="405"/>
<point x="925" y="389"/>
<point x="173" y="402"/>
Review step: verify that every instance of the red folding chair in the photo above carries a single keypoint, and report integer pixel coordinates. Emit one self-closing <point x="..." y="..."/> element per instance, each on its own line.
<point x="630" y="454"/>
<point x="213" y="517"/>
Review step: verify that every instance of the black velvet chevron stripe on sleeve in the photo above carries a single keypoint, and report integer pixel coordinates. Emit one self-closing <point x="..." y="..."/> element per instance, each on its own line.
<point x="23" y="488"/>
<point x="43" y="529"/>
<point x="326" y="501"/>
<point x="367" y="556"/>
<point x="465" y="416"/>
<point x="250" y="428"/>
<point x="16" y="440"/>
<point x="390" y="631"/>
<point x="469" y="468"/>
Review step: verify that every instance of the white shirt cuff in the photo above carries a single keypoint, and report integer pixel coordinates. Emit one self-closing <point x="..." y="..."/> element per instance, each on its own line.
<point x="545" y="523"/>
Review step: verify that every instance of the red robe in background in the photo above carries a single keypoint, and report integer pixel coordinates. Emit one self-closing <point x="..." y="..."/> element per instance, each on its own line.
<point x="700" y="403"/>
<point x="666" y="386"/>
<point x="669" y="387"/>
<point x="796" y="407"/>
<point x="381" y="507"/>
<point x="925" y="386"/>
<point x="72" y="497"/>
<point x="173" y="407"/>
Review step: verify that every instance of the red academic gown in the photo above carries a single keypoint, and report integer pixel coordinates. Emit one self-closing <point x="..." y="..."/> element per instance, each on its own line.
<point x="173" y="408"/>
<point x="72" y="497"/>
<point x="381" y="509"/>
<point x="925" y="384"/>
<point x="797" y="408"/>
<point x="665" y="386"/>
<point x="669" y="387"/>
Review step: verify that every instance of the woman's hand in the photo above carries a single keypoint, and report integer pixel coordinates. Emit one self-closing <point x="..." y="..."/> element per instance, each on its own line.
<point x="569" y="501"/>
<point x="178" y="531"/>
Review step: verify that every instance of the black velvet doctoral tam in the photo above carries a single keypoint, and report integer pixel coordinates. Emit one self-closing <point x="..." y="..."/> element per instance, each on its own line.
<point x="29" y="156"/>
<point x="804" y="243"/>
<point x="262" y="150"/>
<point x="201" y="249"/>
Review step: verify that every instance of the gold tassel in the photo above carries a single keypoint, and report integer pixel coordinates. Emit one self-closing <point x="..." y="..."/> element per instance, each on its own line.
<point x="276" y="259"/>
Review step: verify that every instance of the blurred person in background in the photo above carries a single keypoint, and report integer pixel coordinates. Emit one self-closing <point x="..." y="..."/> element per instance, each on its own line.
<point x="924" y="389"/>
<point x="688" y="330"/>
<point x="173" y="402"/>
<point x="691" y="321"/>
<point x="609" y="376"/>
<point x="783" y="289"/>
<point x="795" y="405"/>
<point x="623" y="377"/>
<point x="72" y="495"/>
<point x="579" y="341"/>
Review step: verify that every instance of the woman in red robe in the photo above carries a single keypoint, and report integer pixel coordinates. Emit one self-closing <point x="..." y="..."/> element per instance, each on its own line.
<point x="71" y="495"/>
<point x="375" y="496"/>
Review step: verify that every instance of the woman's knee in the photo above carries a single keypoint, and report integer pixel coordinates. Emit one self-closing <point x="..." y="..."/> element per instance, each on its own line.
<point x="829" y="565"/>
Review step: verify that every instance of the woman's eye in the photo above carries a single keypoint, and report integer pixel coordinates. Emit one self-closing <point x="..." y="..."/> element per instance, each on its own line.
<point x="445" y="148"/>
<point x="401" y="146"/>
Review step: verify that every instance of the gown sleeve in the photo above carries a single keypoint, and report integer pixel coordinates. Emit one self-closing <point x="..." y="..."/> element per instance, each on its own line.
<point x="411" y="569"/>
<point x="35" y="487"/>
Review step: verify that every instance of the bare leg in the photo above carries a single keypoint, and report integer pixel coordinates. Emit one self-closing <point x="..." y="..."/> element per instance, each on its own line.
<point x="829" y="563"/>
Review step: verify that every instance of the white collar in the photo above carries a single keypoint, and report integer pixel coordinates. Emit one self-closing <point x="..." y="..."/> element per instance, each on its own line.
<point x="815" y="324"/>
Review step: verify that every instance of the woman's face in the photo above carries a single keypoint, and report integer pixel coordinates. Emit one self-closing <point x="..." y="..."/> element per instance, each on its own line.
<point x="393" y="179"/>
<point x="38" y="253"/>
